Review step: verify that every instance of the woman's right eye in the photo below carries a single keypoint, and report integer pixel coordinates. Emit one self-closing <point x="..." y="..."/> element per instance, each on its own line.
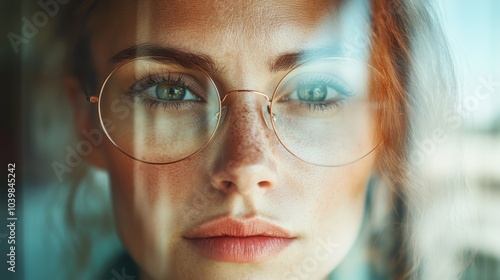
<point x="166" y="89"/>
<point x="171" y="92"/>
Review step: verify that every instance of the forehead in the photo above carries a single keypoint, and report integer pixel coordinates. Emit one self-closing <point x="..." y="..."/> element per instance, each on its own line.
<point x="236" y="14"/>
<point x="225" y="29"/>
<point x="249" y="14"/>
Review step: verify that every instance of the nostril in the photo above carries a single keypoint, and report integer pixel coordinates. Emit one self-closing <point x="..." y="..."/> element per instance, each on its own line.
<point x="264" y="184"/>
<point x="227" y="184"/>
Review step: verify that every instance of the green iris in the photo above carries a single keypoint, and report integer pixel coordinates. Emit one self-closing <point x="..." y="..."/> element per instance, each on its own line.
<point x="312" y="93"/>
<point x="170" y="92"/>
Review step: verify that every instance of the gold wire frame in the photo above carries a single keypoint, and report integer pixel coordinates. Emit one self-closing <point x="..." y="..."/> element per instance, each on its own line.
<point x="96" y="99"/>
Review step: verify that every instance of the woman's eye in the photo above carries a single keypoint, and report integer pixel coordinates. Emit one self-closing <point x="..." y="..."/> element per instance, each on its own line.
<point x="312" y="93"/>
<point x="315" y="88"/>
<point x="316" y="92"/>
<point x="170" y="92"/>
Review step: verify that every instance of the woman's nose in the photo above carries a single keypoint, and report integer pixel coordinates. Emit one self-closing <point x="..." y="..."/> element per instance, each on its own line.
<point x="246" y="157"/>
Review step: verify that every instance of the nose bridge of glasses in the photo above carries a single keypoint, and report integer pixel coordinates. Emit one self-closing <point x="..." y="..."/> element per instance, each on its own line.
<point x="244" y="91"/>
<point x="244" y="95"/>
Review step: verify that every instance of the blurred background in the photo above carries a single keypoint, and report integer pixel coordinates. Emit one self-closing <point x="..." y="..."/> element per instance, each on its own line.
<point x="473" y="31"/>
<point x="30" y="132"/>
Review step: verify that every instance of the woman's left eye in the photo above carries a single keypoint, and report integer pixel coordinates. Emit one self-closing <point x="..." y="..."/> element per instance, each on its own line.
<point x="317" y="92"/>
<point x="312" y="92"/>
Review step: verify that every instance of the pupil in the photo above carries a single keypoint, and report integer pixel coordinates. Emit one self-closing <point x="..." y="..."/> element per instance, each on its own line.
<point x="170" y="92"/>
<point x="313" y="93"/>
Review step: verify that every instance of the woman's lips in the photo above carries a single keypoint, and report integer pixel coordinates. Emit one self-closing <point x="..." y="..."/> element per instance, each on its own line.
<point x="231" y="240"/>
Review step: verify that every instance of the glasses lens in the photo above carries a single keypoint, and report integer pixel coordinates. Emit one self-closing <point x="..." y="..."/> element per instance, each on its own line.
<point x="323" y="114"/>
<point x="157" y="111"/>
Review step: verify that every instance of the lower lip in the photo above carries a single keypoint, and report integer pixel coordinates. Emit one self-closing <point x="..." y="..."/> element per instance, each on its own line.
<point x="240" y="249"/>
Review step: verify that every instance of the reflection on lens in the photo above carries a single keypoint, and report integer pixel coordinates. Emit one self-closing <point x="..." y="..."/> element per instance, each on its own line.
<point x="322" y="112"/>
<point x="161" y="112"/>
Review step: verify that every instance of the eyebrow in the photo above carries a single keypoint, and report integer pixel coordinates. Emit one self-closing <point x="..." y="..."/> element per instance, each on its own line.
<point x="182" y="58"/>
<point x="292" y="59"/>
<point x="188" y="59"/>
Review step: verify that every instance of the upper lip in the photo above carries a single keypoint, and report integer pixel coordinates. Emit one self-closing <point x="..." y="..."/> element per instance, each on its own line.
<point x="228" y="226"/>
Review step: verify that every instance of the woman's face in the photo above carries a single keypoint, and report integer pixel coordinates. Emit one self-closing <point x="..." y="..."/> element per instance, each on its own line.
<point x="243" y="207"/>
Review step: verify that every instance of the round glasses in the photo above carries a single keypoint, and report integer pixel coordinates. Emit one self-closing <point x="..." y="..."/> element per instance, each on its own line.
<point x="158" y="111"/>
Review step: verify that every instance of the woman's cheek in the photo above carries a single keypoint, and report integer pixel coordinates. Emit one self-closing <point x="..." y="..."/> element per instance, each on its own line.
<point x="146" y="202"/>
<point x="340" y="206"/>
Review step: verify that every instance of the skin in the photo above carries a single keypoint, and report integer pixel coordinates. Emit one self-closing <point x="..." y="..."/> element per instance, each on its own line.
<point x="155" y="205"/>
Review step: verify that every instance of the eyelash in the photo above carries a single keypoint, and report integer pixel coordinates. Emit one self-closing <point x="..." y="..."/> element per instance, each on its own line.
<point x="154" y="79"/>
<point x="335" y="84"/>
<point x="330" y="82"/>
